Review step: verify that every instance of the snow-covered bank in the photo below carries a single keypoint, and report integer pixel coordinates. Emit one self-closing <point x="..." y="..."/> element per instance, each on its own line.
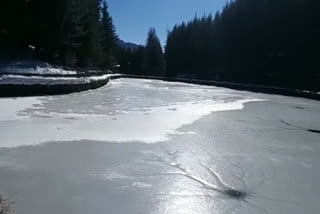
<point x="19" y="85"/>
<point x="33" y="67"/>
<point x="238" y="86"/>
<point x="48" y="81"/>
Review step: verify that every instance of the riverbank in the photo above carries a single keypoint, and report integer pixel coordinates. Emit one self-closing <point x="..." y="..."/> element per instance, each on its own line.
<point x="37" y="78"/>
<point x="46" y="83"/>
<point x="35" y="85"/>
<point x="244" y="87"/>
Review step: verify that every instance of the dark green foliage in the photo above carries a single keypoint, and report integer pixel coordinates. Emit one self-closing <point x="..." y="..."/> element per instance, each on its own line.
<point x="153" y="59"/>
<point x="77" y="33"/>
<point x="144" y="60"/>
<point x="262" y="42"/>
<point x="192" y="46"/>
<point x="109" y="37"/>
<point x="270" y="42"/>
<point x="131" y="60"/>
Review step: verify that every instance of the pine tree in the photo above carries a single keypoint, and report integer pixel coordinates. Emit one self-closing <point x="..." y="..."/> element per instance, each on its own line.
<point x="109" y="37"/>
<point x="154" y="63"/>
<point x="261" y="42"/>
<point x="75" y="32"/>
<point x="91" y="55"/>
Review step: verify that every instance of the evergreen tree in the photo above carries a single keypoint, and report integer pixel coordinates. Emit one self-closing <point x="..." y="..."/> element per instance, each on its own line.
<point x="75" y="32"/>
<point x="154" y="63"/>
<point x="261" y="42"/>
<point x="131" y="60"/>
<point x="91" y="54"/>
<point x="108" y="34"/>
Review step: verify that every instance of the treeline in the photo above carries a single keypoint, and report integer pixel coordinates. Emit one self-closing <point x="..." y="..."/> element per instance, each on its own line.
<point x="267" y="42"/>
<point x="262" y="42"/>
<point x="143" y="60"/>
<point x="75" y="33"/>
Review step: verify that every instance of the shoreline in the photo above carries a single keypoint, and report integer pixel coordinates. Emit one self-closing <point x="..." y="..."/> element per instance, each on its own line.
<point x="236" y="86"/>
<point x="41" y="85"/>
<point x="52" y="88"/>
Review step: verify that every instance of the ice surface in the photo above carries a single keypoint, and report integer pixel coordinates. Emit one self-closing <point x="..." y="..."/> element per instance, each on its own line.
<point x="149" y="126"/>
<point x="114" y="113"/>
<point x="10" y="108"/>
<point x="186" y="149"/>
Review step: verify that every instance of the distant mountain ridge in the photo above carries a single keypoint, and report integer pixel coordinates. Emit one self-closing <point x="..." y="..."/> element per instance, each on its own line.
<point x="127" y="45"/>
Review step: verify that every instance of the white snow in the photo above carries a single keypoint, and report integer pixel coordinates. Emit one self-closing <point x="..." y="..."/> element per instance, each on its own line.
<point x="310" y="92"/>
<point x="250" y="150"/>
<point x="10" y="108"/>
<point x="115" y="75"/>
<point x="38" y="80"/>
<point x="32" y="67"/>
<point x="43" y="126"/>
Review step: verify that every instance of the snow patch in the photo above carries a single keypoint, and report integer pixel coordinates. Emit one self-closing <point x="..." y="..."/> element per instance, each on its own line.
<point x="38" y="80"/>
<point x="115" y="176"/>
<point x="10" y="109"/>
<point x="32" y="67"/>
<point x="134" y="126"/>
<point x="141" y="185"/>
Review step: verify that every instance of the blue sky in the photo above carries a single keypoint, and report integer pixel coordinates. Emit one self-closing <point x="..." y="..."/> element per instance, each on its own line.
<point x="133" y="18"/>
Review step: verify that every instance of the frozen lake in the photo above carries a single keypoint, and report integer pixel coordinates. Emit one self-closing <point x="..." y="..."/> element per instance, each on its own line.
<point x="145" y="146"/>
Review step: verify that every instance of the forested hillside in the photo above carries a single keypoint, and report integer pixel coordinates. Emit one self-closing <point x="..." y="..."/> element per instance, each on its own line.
<point x="268" y="42"/>
<point x="76" y="33"/>
<point x="143" y="60"/>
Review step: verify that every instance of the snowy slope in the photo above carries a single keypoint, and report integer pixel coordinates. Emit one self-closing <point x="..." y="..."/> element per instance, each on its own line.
<point x="38" y="80"/>
<point x="31" y="78"/>
<point x="32" y="67"/>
